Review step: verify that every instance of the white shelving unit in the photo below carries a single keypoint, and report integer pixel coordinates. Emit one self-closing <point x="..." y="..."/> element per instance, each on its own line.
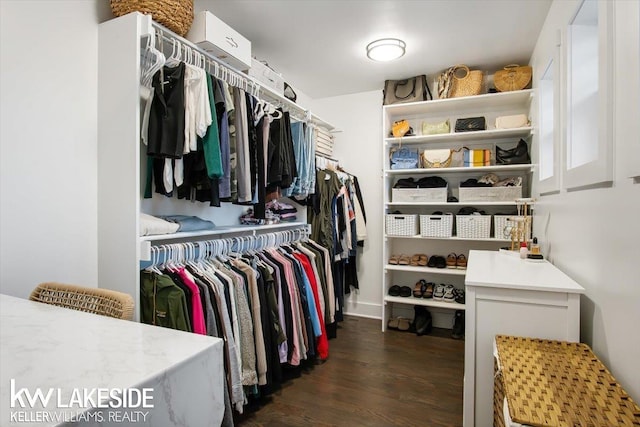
<point x="122" y="161"/>
<point x="489" y="106"/>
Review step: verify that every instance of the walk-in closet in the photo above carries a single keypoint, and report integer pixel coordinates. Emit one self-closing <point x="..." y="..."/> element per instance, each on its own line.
<point x="319" y="213"/>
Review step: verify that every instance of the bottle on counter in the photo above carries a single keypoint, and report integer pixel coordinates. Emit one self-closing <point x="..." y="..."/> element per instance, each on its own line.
<point x="524" y="251"/>
<point x="535" y="248"/>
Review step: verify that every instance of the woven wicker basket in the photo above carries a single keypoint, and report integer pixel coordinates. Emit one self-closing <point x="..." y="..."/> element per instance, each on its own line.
<point x="468" y="84"/>
<point x="176" y="15"/>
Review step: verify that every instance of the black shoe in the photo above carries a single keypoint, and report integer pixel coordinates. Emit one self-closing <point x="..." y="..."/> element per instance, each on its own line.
<point x="394" y="291"/>
<point x="458" y="325"/>
<point x="405" y="291"/>
<point x="422" y="323"/>
<point x="441" y="262"/>
<point x="433" y="261"/>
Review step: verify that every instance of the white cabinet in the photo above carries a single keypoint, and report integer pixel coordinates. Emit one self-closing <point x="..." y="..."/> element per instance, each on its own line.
<point x="489" y="106"/>
<point x="510" y="296"/>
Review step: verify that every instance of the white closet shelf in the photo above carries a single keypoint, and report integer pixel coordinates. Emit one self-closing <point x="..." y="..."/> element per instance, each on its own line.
<point x="480" y="135"/>
<point x="479" y="169"/>
<point x="427" y="302"/>
<point x="451" y="203"/>
<point x="486" y="102"/>
<point x="222" y="230"/>
<point x="451" y="271"/>
<point x="462" y="239"/>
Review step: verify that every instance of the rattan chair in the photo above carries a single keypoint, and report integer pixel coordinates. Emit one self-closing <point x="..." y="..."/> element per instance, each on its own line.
<point x="92" y="300"/>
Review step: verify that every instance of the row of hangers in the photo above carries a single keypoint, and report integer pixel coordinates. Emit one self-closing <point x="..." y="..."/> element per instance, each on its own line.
<point x="186" y="252"/>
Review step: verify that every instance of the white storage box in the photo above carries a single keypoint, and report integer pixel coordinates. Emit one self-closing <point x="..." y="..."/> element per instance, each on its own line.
<point x="219" y="39"/>
<point x="489" y="194"/>
<point x="419" y="195"/>
<point x="267" y="76"/>
<point x="401" y="225"/>
<point x="502" y="226"/>
<point x="436" y="225"/>
<point x="473" y="226"/>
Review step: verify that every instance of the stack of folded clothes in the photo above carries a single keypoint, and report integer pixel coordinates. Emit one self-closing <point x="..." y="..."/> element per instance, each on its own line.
<point x="168" y="224"/>
<point x="287" y="213"/>
<point x="249" y="219"/>
<point x="492" y="180"/>
<point x="425" y="182"/>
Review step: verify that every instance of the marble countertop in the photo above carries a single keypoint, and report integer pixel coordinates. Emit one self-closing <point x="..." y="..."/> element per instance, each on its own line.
<point x="47" y="347"/>
<point x="499" y="270"/>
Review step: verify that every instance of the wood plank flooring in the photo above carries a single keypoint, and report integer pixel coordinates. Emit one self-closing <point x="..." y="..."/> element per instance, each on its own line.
<point x="372" y="379"/>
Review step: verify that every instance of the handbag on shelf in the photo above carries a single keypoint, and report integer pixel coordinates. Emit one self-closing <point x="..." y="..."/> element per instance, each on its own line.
<point x="454" y="84"/>
<point x="400" y="128"/>
<point x="512" y="77"/>
<point x="437" y="158"/>
<point x="404" y="158"/>
<point x="512" y="122"/>
<point x="436" y="128"/>
<point x="519" y="155"/>
<point x="471" y="124"/>
<point x="414" y="89"/>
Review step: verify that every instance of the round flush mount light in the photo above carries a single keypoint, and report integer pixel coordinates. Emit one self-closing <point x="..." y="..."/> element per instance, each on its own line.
<point x="386" y="49"/>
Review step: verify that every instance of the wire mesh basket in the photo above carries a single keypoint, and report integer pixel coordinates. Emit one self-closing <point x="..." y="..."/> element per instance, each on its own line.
<point x="401" y="225"/>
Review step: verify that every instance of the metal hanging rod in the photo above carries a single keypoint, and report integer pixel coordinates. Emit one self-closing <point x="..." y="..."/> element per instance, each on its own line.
<point x="243" y="81"/>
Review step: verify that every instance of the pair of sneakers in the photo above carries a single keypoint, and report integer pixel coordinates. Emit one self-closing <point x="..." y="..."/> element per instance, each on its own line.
<point x="444" y="292"/>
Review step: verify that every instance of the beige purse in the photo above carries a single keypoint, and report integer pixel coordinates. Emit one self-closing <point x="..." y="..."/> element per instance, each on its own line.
<point x="436" y="128"/>
<point x="437" y="158"/>
<point x="512" y="122"/>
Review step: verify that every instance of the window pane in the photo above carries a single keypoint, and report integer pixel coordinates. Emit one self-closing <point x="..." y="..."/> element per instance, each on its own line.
<point x="583" y="108"/>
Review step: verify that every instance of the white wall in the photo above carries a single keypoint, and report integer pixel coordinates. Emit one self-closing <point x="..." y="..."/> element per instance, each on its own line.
<point x="48" y="143"/>
<point x="592" y="235"/>
<point x="357" y="146"/>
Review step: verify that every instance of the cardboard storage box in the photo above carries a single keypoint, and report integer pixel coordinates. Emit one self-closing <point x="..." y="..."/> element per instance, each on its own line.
<point x="419" y="195"/>
<point x="213" y="35"/>
<point x="266" y="76"/>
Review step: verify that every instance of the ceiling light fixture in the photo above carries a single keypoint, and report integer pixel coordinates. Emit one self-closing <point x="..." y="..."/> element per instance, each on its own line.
<point x="386" y="49"/>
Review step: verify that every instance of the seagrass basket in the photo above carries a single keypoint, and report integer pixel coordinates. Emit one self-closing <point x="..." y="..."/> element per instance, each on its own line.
<point x="176" y="15"/>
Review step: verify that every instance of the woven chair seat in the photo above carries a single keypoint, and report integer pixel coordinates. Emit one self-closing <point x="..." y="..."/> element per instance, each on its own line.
<point x="92" y="300"/>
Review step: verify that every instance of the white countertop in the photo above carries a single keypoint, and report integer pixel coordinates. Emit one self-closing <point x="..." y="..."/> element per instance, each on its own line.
<point x="48" y="347"/>
<point x="498" y="270"/>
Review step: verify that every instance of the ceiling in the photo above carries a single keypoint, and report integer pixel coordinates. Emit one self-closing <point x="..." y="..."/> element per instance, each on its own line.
<point x="319" y="45"/>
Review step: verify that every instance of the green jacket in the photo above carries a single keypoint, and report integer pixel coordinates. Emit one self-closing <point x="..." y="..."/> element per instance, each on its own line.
<point x="162" y="302"/>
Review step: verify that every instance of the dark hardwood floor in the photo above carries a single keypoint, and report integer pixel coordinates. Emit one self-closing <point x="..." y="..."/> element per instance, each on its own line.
<point x="372" y="379"/>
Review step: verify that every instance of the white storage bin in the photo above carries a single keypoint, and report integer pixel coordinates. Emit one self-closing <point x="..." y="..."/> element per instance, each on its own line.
<point x="473" y="226"/>
<point x="436" y="225"/>
<point x="502" y="226"/>
<point x="213" y="35"/>
<point x="267" y="76"/>
<point x="419" y="195"/>
<point x="489" y="194"/>
<point x="401" y="225"/>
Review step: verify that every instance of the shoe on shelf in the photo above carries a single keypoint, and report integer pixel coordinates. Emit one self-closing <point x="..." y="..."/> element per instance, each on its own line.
<point x="459" y="295"/>
<point x="405" y="291"/>
<point x="404" y="260"/>
<point x="458" y="325"/>
<point x="461" y="262"/>
<point x="394" y="259"/>
<point x="441" y="262"/>
<point x="419" y="288"/>
<point x="438" y="293"/>
<point x="452" y="260"/>
<point x="449" y="295"/>
<point x="423" y="260"/>
<point x="428" y="291"/>
<point x="394" y="291"/>
<point x="433" y="261"/>
<point x="414" y="260"/>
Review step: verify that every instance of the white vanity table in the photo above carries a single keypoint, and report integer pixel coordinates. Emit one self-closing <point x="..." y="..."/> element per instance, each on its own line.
<point x="47" y="347"/>
<point x="511" y="296"/>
